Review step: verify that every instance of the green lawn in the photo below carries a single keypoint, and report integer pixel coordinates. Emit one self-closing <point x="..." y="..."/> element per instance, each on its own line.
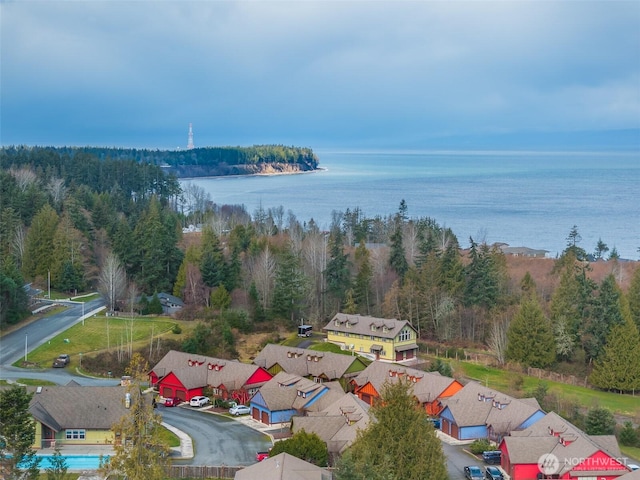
<point x="627" y="405"/>
<point x="98" y="333"/>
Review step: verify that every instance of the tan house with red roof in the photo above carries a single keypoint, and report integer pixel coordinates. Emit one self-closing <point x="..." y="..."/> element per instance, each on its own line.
<point x="429" y="388"/>
<point x="185" y="375"/>
<point x="554" y="448"/>
<point x="381" y="338"/>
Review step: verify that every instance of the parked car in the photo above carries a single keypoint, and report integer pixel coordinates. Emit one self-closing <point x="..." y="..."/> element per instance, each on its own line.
<point x="239" y="410"/>
<point x="62" y="361"/>
<point x="199" y="401"/>
<point x="172" y="402"/>
<point x="493" y="473"/>
<point x="260" y="456"/>
<point x="473" y="472"/>
<point x="492" y="457"/>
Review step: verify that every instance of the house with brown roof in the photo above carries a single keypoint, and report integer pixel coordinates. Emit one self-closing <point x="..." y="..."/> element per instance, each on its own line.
<point x="186" y="375"/>
<point x="476" y="412"/>
<point x="317" y="366"/>
<point x="286" y="395"/>
<point x="554" y="448"/>
<point x="74" y="415"/>
<point x="429" y="388"/>
<point x="283" y="467"/>
<point x="380" y="338"/>
<point x="337" y="425"/>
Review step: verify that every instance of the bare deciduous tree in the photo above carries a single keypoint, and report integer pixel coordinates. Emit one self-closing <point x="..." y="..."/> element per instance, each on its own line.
<point x="24" y="177"/>
<point x="112" y="281"/>
<point x="263" y="273"/>
<point x="497" y="341"/>
<point x="56" y="189"/>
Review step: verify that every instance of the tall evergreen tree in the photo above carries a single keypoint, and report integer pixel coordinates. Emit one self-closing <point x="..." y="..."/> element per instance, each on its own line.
<point x="530" y="337"/>
<point x="400" y="445"/>
<point x="607" y="312"/>
<point x="13" y="298"/>
<point x="337" y="275"/>
<point x="39" y="248"/>
<point x="212" y="264"/>
<point x="18" y="433"/>
<point x="362" y="291"/>
<point x="618" y="368"/>
<point x="397" y="255"/>
<point x="633" y="297"/>
<point x="290" y="285"/>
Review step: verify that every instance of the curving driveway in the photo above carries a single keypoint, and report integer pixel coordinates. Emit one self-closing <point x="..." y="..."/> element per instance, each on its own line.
<point x="217" y="440"/>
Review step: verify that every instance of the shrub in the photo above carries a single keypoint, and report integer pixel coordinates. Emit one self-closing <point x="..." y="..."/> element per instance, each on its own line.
<point x="481" y="445"/>
<point x="176" y="329"/>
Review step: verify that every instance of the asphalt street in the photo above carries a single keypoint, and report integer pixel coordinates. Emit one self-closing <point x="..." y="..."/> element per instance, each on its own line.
<point x="217" y="440"/>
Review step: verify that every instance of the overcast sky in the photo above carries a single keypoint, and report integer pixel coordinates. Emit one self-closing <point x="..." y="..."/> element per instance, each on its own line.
<point x="309" y="73"/>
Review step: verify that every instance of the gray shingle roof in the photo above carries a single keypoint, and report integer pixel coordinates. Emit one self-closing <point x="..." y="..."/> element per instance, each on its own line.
<point x="78" y="407"/>
<point x="283" y="467"/>
<point x="427" y="386"/>
<point x="281" y="392"/>
<point x="215" y="372"/>
<point x="305" y="362"/>
<point x="337" y="424"/>
<point x="552" y="434"/>
<point x="362" y="325"/>
<point x="475" y="404"/>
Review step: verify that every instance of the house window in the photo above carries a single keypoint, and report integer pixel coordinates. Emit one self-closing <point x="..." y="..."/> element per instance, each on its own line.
<point x="372" y="338"/>
<point x="373" y="327"/>
<point x="75" y="434"/>
<point x="404" y="335"/>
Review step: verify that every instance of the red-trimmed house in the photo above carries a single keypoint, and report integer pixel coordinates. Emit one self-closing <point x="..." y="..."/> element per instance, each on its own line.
<point x="185" y="375"/>
<point x="477" y="412"/>
<point x="429" y="388"/>
<point x="568" y="452"/>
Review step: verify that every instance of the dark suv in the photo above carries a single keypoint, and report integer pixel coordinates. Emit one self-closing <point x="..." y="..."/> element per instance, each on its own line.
<point x="62" y="361"/>
<point x="493" y="473"/>
<point x="492" y="457"/>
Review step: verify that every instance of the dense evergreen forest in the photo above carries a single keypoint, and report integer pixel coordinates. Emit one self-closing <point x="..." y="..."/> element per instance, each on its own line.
<point x="116" y="226"/>
<point x="207" y="161"/>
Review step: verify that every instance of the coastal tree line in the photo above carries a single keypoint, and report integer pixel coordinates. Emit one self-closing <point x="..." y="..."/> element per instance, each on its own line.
<point x="67" y="224"/>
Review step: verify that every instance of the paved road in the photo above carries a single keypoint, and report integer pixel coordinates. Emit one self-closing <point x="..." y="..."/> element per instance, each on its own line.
<point x="12" y="345"/>
<point x="457" y="458"/>
<point x="217" y="440"/>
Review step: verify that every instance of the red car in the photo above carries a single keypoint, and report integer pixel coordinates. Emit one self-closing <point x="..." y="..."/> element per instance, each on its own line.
<point x="172" y="402"/>
<point x="260" y="456"/>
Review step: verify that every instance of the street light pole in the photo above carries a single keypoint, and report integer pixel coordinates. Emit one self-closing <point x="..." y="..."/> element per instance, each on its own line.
<point x="26" y="336"/>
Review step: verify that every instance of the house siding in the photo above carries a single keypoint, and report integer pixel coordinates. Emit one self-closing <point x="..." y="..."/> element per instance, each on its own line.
<point x="532" y="419"/>
<point x="473" y="432"/>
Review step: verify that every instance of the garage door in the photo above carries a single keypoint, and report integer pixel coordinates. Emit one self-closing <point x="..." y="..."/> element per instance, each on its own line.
<point x="265" y="418"/>
<point x="182" y="395"/>
<point x="167" y="392"/>
<point x="255" y="414"/>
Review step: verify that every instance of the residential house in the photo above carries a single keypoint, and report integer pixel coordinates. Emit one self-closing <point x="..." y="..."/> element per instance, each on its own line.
<point x="74" y="415"/>
<point x="429" y="388"/>
<point x="380" y="338"/>
<point x="185" y="375"/>
<point x="476" y="412"/>
<point x="287" y="394"/>
<point x="554" y="448"/>
<point x="318" y="366"/>
<point x="337" y="425"/>
<point x="283" y="467"/>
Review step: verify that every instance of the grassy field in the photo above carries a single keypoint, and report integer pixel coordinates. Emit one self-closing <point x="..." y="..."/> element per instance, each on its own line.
<point x="101" y="333"/>
<point x="503" y="381"/>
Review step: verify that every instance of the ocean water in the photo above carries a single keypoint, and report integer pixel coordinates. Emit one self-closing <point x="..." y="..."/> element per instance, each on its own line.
<point x="528" y="199"/>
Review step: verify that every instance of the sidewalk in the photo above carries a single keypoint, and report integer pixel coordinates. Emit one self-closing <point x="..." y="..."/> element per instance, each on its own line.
<point x="185" y="450"/>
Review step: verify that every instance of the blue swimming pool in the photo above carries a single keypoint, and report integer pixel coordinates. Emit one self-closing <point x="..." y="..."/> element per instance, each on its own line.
<point x="73" y="462"/>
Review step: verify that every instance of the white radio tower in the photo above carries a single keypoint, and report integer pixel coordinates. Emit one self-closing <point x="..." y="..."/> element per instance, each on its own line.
<point x="190" y="141"/>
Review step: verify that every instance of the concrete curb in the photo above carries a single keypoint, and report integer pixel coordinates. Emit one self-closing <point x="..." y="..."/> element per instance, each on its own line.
<point x="185" y="450"/>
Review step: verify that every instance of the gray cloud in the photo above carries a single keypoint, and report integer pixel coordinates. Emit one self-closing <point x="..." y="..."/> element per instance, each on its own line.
<point x="246" y="72"/>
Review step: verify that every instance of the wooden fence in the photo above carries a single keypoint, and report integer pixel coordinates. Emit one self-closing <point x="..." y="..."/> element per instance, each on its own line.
<point x="201" y="471"/>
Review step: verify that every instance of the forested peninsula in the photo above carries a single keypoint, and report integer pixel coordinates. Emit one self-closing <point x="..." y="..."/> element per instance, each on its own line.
<point x="196" y="162"/>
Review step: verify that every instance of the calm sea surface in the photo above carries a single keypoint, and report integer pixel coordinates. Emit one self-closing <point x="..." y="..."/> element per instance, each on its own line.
<point x="520" y="198"/>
